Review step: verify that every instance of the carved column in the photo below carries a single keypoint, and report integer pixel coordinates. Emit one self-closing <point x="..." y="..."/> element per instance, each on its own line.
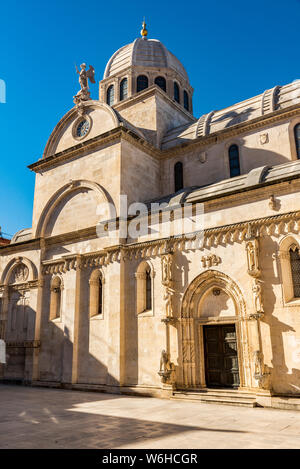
<point x="77" y="312"/>
<point x="261" y="373"/>
<point x="4" y="312"/>
<point x="3" y="321"/>
<point x="37" y="331"/>
<point x="188" y="352"/>
<point x="166" y="365"/>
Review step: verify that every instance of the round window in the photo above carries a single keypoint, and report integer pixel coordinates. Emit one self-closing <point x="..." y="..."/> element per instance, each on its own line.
<point x="82" y="128"/>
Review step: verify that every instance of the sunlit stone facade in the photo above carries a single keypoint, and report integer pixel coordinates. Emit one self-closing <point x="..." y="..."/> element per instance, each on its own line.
<point x="85" y="307"/>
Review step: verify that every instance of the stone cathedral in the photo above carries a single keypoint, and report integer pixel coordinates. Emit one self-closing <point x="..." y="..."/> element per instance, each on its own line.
<point x="89" y="308"/>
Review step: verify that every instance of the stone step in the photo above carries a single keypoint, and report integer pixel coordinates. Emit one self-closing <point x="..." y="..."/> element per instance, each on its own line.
<point x="218" y="397"/>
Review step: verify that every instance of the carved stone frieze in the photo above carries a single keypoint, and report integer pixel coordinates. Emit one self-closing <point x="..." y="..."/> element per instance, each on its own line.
<point x="63" y="265"/>
<point x="209" y="261"/>
<point x="20" y="273"/>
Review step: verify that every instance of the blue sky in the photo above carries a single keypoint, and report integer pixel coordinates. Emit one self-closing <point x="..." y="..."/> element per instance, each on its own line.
<point x="232" y="50"/>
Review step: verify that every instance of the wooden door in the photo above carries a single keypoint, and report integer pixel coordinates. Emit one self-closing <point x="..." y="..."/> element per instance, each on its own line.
<point x="221" y="360"/>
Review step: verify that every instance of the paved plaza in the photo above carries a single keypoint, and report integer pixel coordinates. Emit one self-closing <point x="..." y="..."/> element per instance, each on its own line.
<point x="50" y="418"/>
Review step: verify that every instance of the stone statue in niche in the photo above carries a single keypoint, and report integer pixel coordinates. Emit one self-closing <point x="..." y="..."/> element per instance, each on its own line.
<point x="252" y="257"/>
<point x="84" y="76"/>
<point x="257" y="296"/>
<point x="166" y="268"/>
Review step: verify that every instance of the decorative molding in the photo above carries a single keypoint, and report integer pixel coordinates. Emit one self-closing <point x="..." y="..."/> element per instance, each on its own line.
<point x="73" y="262"/>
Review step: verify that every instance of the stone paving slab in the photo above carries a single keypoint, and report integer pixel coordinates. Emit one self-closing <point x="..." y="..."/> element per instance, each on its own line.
<point x="52" y="418"/>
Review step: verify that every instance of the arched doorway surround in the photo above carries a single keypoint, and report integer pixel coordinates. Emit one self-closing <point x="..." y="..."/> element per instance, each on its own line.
<point x="212" y="298"/>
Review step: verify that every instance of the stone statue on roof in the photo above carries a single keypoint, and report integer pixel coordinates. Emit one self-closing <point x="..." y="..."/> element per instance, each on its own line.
<point x="84" y="76"/>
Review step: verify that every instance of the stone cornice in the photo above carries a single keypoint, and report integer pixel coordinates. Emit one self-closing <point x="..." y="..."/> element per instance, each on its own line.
<point x="112" y="136"/>
<point x="21" y="286"/>
<point x="75" y="151"/>
<point x="263" y="189"/>
<point x="212" y="237"/>
<point x="81" y="261"/>
<point x="24" y="344"/>
<point x="27" y="245"/>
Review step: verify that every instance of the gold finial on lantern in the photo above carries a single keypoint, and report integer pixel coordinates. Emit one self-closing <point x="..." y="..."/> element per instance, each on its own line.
<point x="144" y="32"/>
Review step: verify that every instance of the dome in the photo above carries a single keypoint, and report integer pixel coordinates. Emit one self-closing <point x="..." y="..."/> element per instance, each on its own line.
<point x="144" y="53"/>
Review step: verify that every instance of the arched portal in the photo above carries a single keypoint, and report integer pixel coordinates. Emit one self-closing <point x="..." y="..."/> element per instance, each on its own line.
<point x="18" y="300"/>
<point x="213" y="318"/>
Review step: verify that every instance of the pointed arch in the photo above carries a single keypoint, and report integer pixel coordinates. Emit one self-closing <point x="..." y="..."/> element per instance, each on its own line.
<point x="204" y="282"/>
